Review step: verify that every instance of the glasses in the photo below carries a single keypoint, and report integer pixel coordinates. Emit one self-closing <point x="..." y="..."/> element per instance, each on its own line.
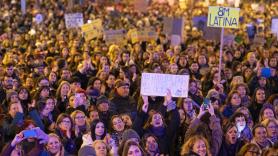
<point x="80" y="117"/>
<point x="66" y="121"/>
<point x="117" y="122"/>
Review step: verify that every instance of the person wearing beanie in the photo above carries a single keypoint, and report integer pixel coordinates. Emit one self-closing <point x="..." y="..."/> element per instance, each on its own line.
<point x="103" y="108"/>
<point x="121" y="102"/>
<point x="128" y="135"/>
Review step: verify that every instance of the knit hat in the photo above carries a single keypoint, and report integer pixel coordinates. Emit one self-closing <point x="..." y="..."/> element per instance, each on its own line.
<point x="129" y="134"/>
<point x="120" y="83"/>
<point x="87" y="151"/>
<point x="10" y="93"/>
<point x="102" y="99"/>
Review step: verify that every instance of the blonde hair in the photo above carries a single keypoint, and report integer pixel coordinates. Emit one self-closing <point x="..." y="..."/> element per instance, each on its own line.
<point x="188" y="145"/>
<point x="62" y="150"/>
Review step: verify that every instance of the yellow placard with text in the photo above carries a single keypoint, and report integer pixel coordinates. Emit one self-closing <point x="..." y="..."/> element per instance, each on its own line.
<point x="223" y="17"/>
<point x="93" y="29"/>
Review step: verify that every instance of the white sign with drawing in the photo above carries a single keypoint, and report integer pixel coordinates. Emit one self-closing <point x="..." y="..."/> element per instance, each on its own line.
<point x="74" y="20"/>
<point x="153" y="84"/>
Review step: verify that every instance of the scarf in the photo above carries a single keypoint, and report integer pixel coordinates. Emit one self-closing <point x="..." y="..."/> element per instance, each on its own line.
<point x="158" y="131"/>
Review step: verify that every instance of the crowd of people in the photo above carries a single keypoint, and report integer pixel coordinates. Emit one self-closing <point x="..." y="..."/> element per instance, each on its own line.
<point x="62" y="95"/>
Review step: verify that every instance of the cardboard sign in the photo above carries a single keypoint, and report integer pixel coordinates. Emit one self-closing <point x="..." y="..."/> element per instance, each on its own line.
<point x="224" y="17"/>
<point x="114" y="36"/>
<point x="74" y="20"/>
<point x="153" y="84"/>
<point x="274" y="25"/>
<point x="144" y="35"/>
<point x="92" y="30"/>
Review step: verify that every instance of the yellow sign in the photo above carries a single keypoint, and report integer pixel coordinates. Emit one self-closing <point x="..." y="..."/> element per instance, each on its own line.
<point x="92" y="30"/>
<point x="144" y="35"/>
<point x="223" y="17"/>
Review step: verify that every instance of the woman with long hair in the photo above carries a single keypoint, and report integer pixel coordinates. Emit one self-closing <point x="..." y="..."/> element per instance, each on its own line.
<point x="62" y="95"/>
<point x="65" y="130"/>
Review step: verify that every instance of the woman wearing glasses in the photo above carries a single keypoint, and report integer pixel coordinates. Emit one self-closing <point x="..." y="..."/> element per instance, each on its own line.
<point x="65" y="131"/>
<point x="81" y="126"/>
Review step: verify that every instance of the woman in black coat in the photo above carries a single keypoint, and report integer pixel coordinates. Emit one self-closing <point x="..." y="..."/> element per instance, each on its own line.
<point x="163" y="124"/>
<point x="231" y="144"/>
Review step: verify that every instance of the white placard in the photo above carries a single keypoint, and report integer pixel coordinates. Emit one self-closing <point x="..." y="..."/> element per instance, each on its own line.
<point x="153" y="84"/>
<point x="23" y="6"/>
<point x="274" y="25"/>
<point x="74" y="20"/>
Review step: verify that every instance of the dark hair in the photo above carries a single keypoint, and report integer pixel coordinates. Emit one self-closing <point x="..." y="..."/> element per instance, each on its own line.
<point x="257" y="126"/>
<point x="130" y="143"/>
<point x="93" y="128"/>
<point x="237" y="115"/>
<point x="144" y="140"/>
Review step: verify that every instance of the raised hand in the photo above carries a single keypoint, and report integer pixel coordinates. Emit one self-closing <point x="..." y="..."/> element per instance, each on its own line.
<point x="146" y="103"/>
<point x="168" y="97"/>
<point x="17" y="139"/>
<point x="201" y="112"/>
<point x="210" y="109"/>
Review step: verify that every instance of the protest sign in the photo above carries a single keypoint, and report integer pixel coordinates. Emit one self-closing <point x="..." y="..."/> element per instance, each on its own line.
<point x="175" y="40"/>
<point x="212" y="34"/>
<point x="224" y="17"/>
<point x="199" y="22"/>
<point x="251" y="31"/>
<point x="228" y="39"/>
<point x="74" y="20"/>
<point x="141" y="5"/>
<point x="153" y="84"/>
<point x="146" y="34"/>
<point x="173" y="26"/>
<point x="23" y="6"/>
<point x="114" y="36"/>
<point x="274" y="25"/>
<point x="167" y="25"/>
<point x="92" y="30"/>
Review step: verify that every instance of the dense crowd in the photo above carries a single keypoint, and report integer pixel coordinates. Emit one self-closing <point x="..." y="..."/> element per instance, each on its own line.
<point x="82" y="97"/>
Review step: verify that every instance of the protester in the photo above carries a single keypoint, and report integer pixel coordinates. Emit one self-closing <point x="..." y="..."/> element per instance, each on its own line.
<point x="82" y="89"/>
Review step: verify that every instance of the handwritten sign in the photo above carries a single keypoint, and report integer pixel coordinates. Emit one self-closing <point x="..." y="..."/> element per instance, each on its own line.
<point x="153" y="84"/>
<point x="114" y="36"/>
<point x="223" y="17"/>
<point x="92" y="30"/>
<point x="74" y="20"/>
